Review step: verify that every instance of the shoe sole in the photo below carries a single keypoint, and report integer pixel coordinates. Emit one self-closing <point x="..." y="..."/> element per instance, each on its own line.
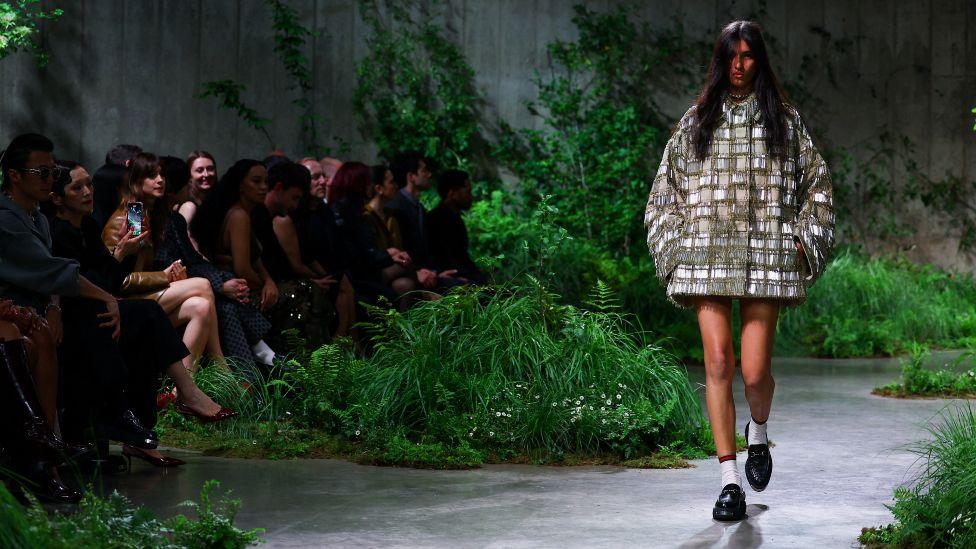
<point x="725" y="515"/>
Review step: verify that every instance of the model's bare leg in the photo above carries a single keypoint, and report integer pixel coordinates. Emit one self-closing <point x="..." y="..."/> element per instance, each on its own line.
<point x="345" y="305"/>
<point x="715" y="322"/>
<point x="44" y="361"/>
<point x="758" y="331"/>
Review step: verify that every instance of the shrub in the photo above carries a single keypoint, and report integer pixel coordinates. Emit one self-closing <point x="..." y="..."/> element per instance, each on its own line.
<point x="948" y="381"/>
<point x="114" y="522"/>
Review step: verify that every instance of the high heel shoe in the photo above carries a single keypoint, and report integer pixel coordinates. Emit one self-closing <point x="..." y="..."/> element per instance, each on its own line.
<point x="130" y="452"/>
<point x="219" y="415"/>
<point x="163" y="399"/>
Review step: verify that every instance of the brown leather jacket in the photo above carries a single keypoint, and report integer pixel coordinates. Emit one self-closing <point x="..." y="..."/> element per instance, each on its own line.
<point x="140" y="280"/>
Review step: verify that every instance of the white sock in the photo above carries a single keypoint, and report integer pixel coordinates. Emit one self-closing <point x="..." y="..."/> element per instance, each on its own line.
<point x="757" y="433"/>
<point x="263" y="353"/>
<point x="730" y="473"/>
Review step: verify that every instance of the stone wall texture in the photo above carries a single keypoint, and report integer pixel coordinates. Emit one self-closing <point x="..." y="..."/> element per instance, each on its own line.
<point x="128" y="71"/>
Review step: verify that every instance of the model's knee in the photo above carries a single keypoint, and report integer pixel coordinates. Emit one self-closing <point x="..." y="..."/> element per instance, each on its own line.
<point x="719" y="365"/>
<point x="758" y="381"/>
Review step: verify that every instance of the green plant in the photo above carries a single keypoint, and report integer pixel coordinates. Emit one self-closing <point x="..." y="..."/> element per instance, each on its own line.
<point x="952" y="380"/>
<point x="936" y="509"/>
<point x="19" y="28"/>
<point x="414" y="88"/>
<point x="228" y="94"/>
<point x="113" y="522"/>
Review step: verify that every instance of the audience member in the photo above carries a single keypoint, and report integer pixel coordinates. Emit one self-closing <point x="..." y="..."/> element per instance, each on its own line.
<point x="366" y="262"/>
<point x="384" y="226"/>
<point x="319" y="242"/>
<point x="242" y="327"/>
<point x="446" y="231"/>
<point x="109" y="181"/>
<point x="222" y="228"/>
<point x="203" y="176"/>
<point x="329" y="168"/>
<point x="304" y="290"/>
<point x="188" y="301"/>
<point x="412" y="175"/>
<point x="148" y="340"/>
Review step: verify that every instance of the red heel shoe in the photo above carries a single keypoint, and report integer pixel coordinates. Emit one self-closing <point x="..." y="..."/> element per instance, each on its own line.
<point x="163" y="399"/>
<point x="130" y="452"/>
<point x="219" y="415"/>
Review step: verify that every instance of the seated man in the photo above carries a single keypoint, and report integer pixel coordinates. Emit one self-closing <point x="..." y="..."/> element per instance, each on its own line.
<point x="446" y="232"/>
<point x="411" y="174"/>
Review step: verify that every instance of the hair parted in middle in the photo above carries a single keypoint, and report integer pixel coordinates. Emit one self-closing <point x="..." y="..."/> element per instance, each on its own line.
<point x="769" y="93"/>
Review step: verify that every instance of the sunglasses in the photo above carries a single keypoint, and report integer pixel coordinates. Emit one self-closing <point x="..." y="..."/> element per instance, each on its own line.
<point x="44" y="172"/>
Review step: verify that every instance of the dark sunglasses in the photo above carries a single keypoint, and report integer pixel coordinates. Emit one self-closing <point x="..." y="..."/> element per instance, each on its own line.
<point x="44" y="172"/>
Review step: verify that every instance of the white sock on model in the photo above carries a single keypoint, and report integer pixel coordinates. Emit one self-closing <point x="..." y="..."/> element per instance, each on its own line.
<point x="757" y="432"/>
<point x="730" y="471"/>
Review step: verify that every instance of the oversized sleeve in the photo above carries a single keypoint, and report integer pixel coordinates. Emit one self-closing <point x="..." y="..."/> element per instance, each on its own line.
<point x="27" y="262"/>
<point x="814" y="226"/>
<point x="664" y="214"/>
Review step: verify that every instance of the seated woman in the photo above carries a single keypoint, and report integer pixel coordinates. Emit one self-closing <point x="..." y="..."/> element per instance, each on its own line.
<point x="242" y="327"/>
<point x="189" y="302"/>
<point x="203" y="176"/>
<point x="384" y="226"/>
<point x="222" y="228"/>
<point x="148" y="338"/>
<point x="367" y="262"/>
<point x="33" y="448"/>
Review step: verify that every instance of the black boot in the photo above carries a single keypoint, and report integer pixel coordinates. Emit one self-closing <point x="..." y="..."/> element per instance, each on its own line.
<point x="48" y="487"/>
<point x="16" y="378"/>
<point x="126" y="428"/>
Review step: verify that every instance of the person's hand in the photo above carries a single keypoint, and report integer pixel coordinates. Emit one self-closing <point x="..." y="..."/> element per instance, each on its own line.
<point x="22" y="317"/>
<point x="54" y="322"/>
<point x="449" y="273"/>
<point x="129" y="244"/>
<point x="324" y="282"/>
<point x="111" y="318"/>
<point x="236" y="288"/>
<point x="269" y="294"/>
<point x="176" y="271"/>
<point x="427" y="278"/>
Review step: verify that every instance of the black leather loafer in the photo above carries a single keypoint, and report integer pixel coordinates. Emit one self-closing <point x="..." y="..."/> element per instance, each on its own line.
<point x="759" y="465"/>
<point x="731" y="504"/>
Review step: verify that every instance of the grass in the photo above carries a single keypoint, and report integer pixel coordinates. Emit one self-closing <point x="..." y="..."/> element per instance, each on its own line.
<point x="937" y="509"/>
<point x="865" y="307"/>
<point x="115" y="522"/>
<point x="955" y="379"/>
<point x="483" y="375"/>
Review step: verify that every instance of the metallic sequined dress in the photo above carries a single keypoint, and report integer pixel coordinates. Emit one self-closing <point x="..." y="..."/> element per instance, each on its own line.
<point x="727" y="225"/>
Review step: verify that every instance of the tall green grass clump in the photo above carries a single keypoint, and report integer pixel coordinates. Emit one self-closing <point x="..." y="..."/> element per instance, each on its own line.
<point x="115" y="522"/>
<point x="937" y="509"/>
<point x="512" y="372"/>
<point x="956" y="378"/>
<point x="870" y="307"/>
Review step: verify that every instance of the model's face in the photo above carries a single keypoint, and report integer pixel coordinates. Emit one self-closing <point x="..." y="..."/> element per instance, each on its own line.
<point x="255" y="185"/>
<point x="742" y="67"/>
<point x="318" y="188"/>
<point x="388" y="189"/>
<point x="203" y="175"/>
<point x="78" y="193"/>
<point x="29" y="181"/>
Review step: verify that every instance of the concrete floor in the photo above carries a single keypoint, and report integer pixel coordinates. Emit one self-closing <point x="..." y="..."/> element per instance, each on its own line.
<point x="839" y="452"/>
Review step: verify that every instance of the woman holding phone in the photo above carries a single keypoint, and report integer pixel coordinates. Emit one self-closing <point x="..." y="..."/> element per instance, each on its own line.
<point x="189" y="302"/>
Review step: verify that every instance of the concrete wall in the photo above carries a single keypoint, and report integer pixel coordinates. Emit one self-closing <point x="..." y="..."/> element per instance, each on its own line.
<point x="128" y="71"/>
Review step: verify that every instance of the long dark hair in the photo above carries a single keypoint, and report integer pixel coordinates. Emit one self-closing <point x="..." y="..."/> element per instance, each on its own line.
<point x="207" y="222"/>
<point x="769" y="93"/>
<point x="146" y="165"/>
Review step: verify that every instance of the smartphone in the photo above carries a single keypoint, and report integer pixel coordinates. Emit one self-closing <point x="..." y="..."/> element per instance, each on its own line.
<point x="133" y="217"/>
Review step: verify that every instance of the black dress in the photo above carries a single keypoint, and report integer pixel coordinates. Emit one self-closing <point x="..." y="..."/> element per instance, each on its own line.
<point x="365" y="261"/>
<point x="240" y="325"/>
<point x="126" y="373"/>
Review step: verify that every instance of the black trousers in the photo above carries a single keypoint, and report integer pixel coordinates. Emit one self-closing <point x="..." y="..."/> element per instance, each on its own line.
<point x="101" y="377"/>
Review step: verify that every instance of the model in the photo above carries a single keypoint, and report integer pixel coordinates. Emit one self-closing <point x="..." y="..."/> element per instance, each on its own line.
<point x="741" y="208"/>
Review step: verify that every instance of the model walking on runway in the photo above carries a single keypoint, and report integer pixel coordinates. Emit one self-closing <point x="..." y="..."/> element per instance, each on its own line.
<point x="741" y="208"/>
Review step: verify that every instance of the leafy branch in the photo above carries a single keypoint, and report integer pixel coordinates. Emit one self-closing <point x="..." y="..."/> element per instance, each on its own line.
<point x="228" y="93"/>
<point x="18" y="28"/>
